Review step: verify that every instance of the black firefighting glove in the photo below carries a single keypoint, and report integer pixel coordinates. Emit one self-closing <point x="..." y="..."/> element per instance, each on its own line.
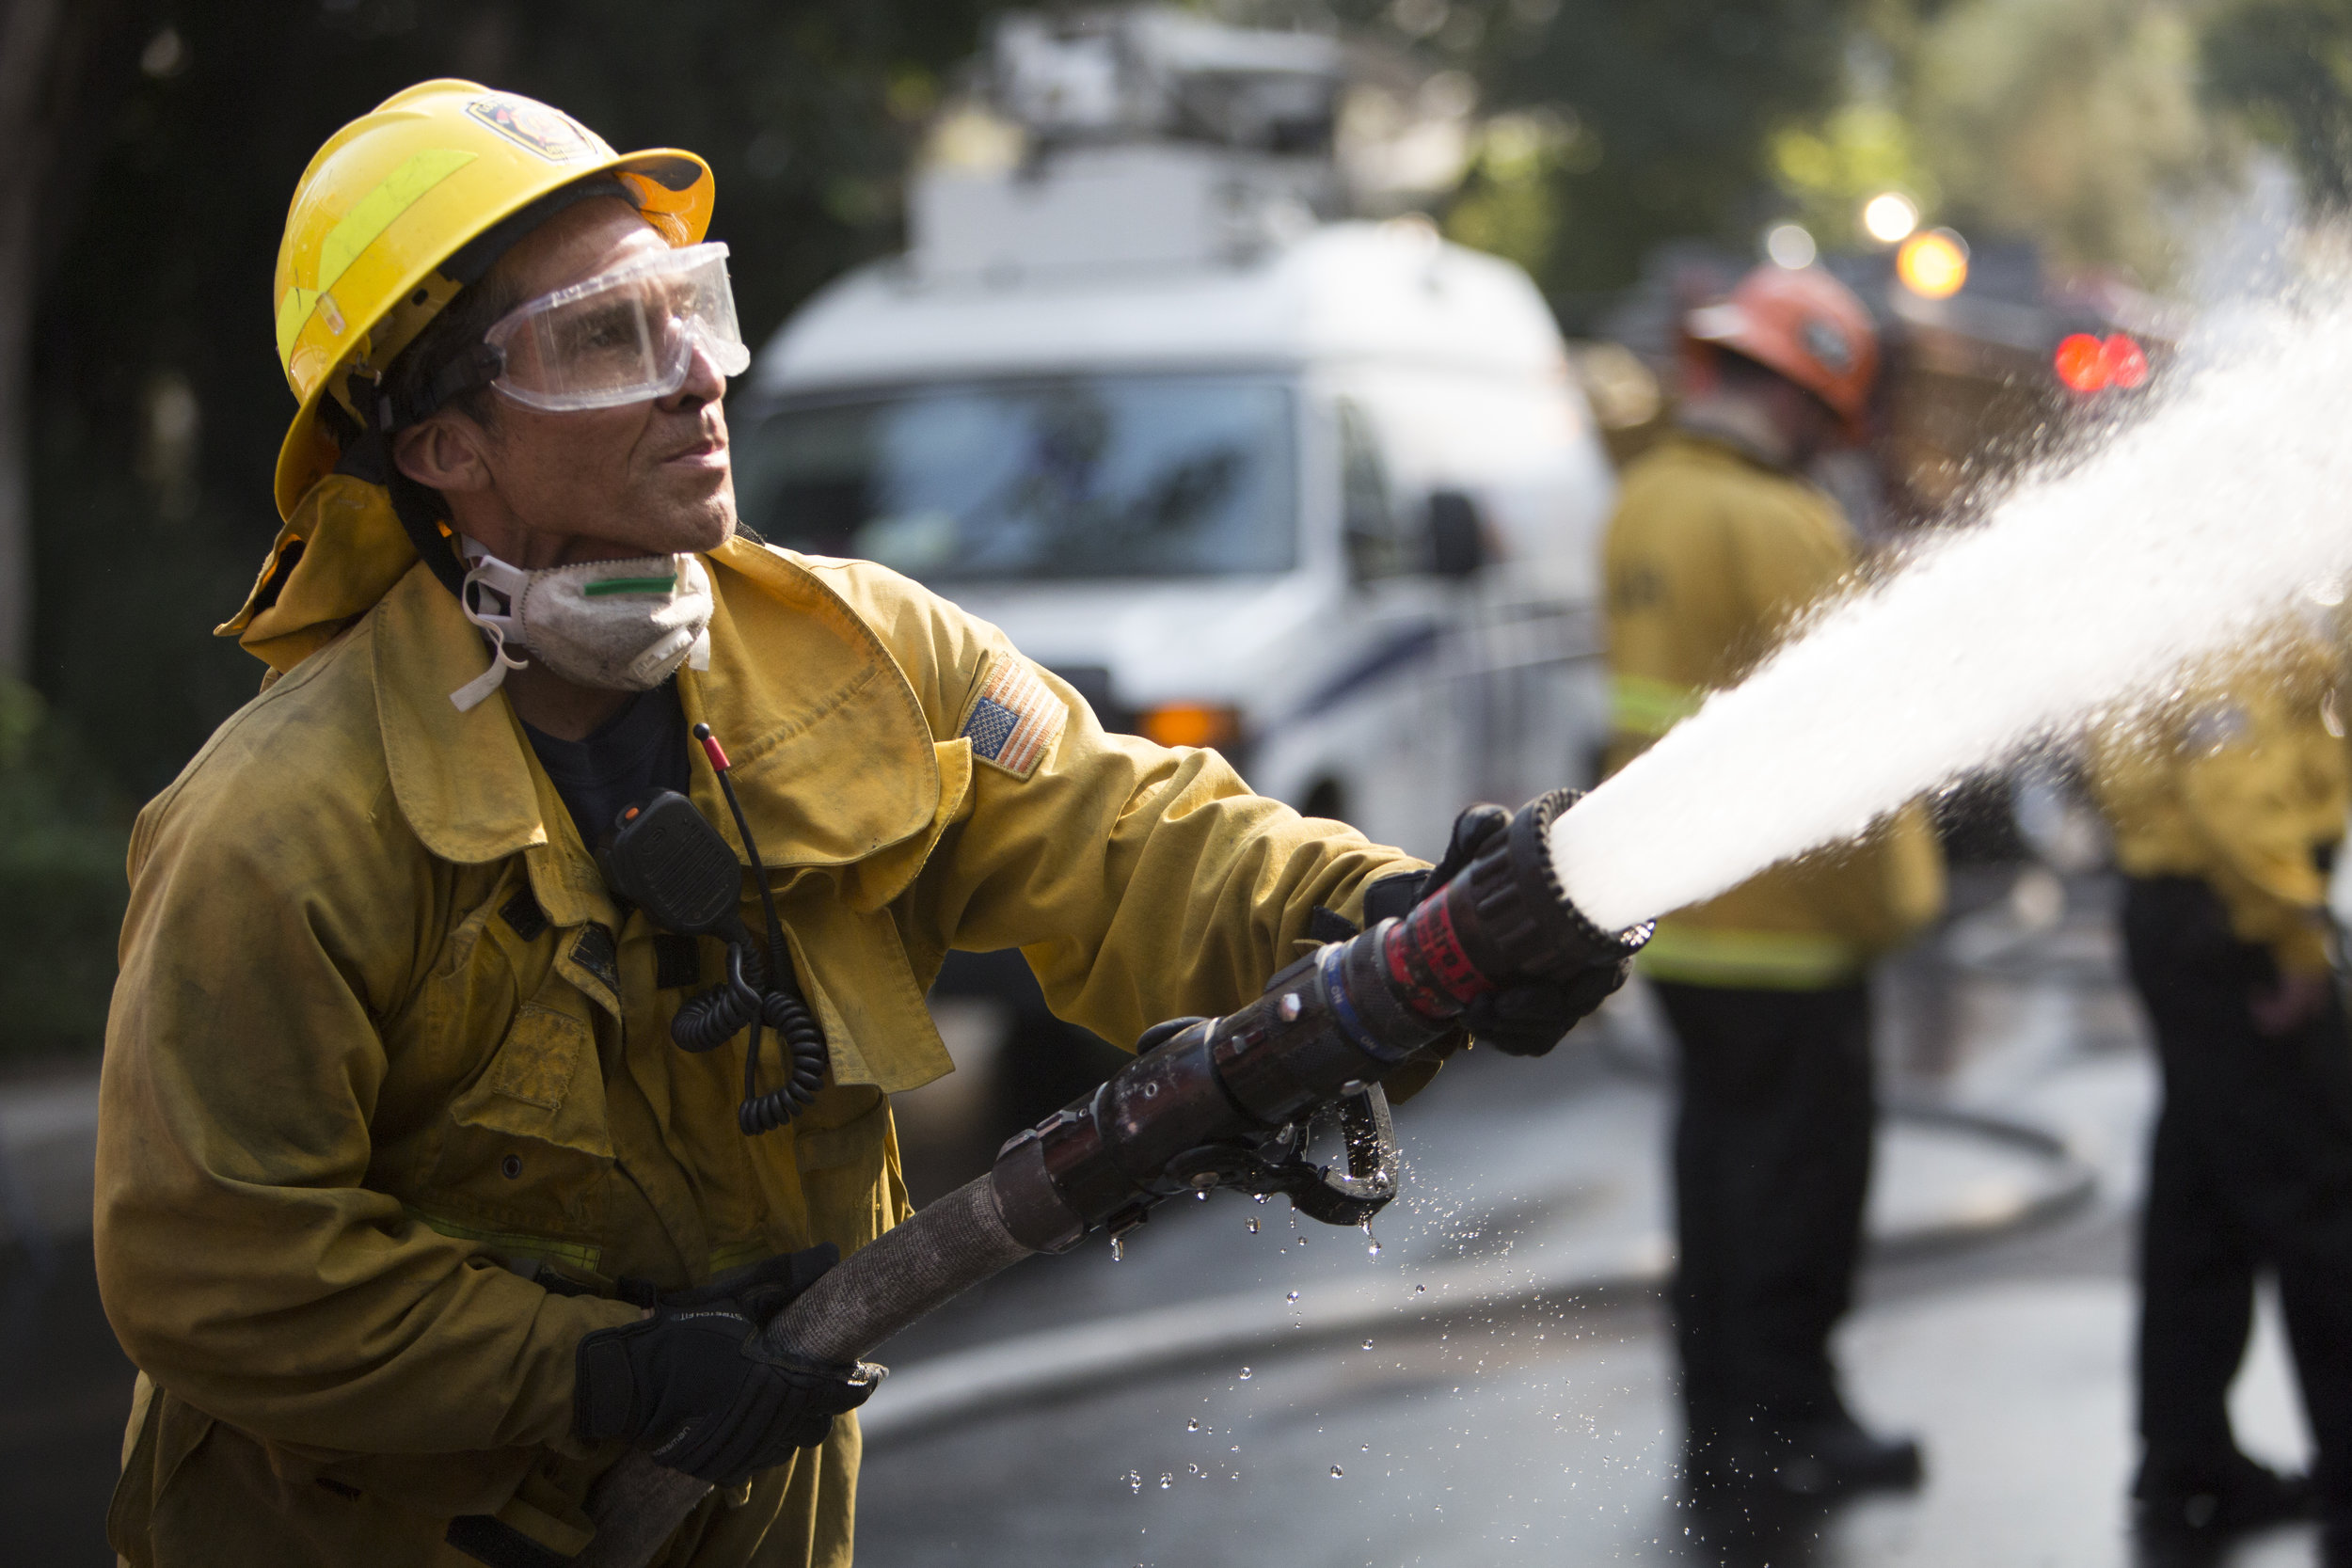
<point x="1529" y="1017"/>
<point x="695" y="1386"/>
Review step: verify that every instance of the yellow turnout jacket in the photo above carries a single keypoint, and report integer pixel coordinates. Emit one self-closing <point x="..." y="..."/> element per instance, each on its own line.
<point x="2239" y="784"/>
<point x="384" y="1053"/>
<point x="1710" y="556"/>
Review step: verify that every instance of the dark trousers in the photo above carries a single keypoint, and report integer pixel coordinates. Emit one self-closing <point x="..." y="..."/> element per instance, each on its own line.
<point x="1772" y="1166"/>
<point x="2251" y="1168"/>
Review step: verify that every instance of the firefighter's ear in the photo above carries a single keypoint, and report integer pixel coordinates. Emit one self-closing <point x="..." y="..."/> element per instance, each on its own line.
<point x="444" y="452"/>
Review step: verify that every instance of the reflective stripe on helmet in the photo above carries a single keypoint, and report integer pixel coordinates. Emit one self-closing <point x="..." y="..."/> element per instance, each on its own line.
<point x="358" y="229"/>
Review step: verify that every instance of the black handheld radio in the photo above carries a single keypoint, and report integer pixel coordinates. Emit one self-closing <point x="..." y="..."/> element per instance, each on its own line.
<point x="666" y="858"/>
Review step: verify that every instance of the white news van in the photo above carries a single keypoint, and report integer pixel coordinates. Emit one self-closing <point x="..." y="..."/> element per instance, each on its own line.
<point x="1322" y="493"/>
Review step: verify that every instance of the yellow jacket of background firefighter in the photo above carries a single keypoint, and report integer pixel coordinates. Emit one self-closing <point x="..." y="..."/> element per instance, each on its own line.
<point x="384" y="1053"/>
<point x="1710" y="556"/>
<point x="2242" y="784"/>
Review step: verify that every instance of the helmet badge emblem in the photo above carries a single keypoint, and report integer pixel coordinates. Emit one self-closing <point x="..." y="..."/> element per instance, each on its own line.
<point x="1827" y="344"/>
<point x="535" y="127"/>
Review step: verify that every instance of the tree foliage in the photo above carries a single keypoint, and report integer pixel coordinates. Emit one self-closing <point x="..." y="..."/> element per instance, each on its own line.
<point x="1672" y="106"/>
<point x="2286" y="66"/>
<point x="159" y="402"/>
<point x="2073" y="122"/>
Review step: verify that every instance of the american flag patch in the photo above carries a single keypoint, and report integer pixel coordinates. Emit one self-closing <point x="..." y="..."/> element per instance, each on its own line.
<point x="1014" y="719"/>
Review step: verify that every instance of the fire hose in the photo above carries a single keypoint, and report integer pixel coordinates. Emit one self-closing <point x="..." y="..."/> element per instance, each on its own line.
<point x="1206" y="1103"/>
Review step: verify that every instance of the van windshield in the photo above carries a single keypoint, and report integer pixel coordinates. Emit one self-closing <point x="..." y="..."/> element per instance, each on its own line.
<point x="1111" y="476"/>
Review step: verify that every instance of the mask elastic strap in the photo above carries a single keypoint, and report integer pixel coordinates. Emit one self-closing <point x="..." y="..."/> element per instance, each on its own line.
<point x="497" y="577"/>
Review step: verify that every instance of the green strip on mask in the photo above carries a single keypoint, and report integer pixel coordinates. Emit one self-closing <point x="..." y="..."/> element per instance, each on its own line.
<point x="610" y="586"/>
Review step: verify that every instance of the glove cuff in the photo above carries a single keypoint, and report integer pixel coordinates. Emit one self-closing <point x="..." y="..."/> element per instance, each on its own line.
<point x="604" y="1386"/>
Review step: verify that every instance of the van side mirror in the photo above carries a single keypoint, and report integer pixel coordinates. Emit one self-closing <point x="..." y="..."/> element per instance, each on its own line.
<point x="1457" y="535"/>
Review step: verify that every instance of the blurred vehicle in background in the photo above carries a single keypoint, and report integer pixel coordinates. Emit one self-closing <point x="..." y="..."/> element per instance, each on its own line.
<point x="1246" y="470"/>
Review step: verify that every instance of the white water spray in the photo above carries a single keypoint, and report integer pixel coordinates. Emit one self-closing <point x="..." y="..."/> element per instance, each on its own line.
<point x="2185" y="535"/>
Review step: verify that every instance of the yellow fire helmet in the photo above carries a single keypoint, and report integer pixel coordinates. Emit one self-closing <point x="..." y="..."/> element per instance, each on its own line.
<point x="384" y="226"/>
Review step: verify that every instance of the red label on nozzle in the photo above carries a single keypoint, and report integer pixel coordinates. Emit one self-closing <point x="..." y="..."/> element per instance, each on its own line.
<point x="711" y="749"/>
<point x="1425" y="959"/>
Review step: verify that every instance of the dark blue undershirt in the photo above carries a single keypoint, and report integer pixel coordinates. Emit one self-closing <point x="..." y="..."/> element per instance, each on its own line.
<point x="639" y="750"/>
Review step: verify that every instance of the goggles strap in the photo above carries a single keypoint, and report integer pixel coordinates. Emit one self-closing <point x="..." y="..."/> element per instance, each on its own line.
<point x="470" y="371"/>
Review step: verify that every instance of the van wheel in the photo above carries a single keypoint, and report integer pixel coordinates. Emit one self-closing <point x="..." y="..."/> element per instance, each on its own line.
<point x="1327" y="799"/>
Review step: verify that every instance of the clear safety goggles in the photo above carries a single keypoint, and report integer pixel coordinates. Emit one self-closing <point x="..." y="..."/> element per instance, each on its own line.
<point x="625" y="336"/>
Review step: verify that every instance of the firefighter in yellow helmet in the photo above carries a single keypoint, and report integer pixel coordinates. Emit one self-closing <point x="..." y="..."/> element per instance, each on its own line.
<point x="1717" y="544"/>
<point x="2226" y="808"/>
<point x="411" y="1209"/>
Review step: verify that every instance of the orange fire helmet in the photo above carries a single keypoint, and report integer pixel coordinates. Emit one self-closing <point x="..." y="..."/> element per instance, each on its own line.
<point x="1805" y="324"/>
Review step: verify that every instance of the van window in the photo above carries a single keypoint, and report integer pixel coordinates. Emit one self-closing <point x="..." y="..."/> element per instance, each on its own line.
<point x="1367" y="510"/>
<point x="1117" y="476"/>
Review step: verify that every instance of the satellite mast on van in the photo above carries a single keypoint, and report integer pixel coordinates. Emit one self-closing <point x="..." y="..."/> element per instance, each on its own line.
<point x="1148" y="137"/>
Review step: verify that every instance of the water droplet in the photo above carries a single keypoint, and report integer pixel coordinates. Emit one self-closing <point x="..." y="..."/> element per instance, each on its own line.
<point x="1253" y="1224"/>
<point x="1293" y="1295"/>
<point x="1135" y="1481"/>
<point x="1201" y="1196"/>
<point x="1335" y="1472"/>
<point x="1372" y="1251"/>
<point x="1119" y="1249"/>
<point x="1245" y="1375"/>
<point x="1302" y="1241"/>
<point x="1193" y="1468"/>
<point x="1366" y="1449"/>
<point x="1167" y="1480"/>
<point x="1418" y="1289"/>
<point x="1367" y="1344"/>
<point x="1193" y="1425"/>
<point x="1258" y="1198"/>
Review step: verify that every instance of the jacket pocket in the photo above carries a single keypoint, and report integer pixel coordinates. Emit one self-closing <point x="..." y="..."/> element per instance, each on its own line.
<point x="520" y="1163"/>
<point x="168" y="1432"/>
<point x="844" y="1174"/>
<point x="542" y="1084"/>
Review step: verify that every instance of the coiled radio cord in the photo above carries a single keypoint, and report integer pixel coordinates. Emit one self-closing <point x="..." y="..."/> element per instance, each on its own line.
<point x="760" y="989"/>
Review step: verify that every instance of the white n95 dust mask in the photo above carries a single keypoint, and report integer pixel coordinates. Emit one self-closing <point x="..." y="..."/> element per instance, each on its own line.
<point x="621" y="625"/>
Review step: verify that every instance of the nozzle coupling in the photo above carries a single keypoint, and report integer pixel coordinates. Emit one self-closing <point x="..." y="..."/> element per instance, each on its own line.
<point x="1503" y="917"/>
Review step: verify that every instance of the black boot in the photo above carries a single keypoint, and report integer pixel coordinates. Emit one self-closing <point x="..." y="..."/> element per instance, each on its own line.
<point x="1821" y="1456"/>
<point x="2214" y="1497"/>
<point x="1837" y="1456"/>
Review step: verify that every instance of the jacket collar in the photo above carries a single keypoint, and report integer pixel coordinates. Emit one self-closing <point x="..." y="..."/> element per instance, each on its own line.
<point x="337" y="555"/>
<point x="833" y="760"/>
<point x="1740" y="426"/>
